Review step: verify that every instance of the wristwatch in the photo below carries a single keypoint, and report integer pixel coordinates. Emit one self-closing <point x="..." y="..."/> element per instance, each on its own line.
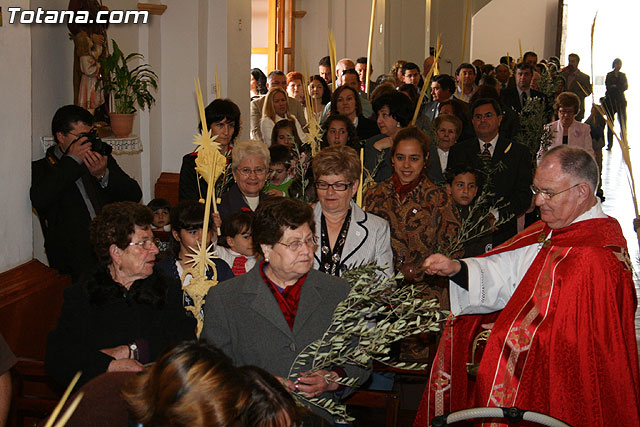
<point x="133" y="351"/>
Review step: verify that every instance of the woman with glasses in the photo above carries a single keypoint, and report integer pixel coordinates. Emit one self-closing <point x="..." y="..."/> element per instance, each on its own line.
<point x="420" y="214"/>
<point x="270" y="314"/>
<point x="567" y="130"/>
<point x="348" y="236"/>
<point x="123" y="314"/>
<point x="249" y="165"/>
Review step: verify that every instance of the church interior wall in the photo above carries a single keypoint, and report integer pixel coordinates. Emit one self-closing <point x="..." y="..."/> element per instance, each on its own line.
<point x="498" y="26"/>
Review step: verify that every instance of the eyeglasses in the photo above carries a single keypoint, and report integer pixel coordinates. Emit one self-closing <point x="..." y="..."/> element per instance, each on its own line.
<point x="294" y="246"/>
<point x="249" y="171"/>
<point x="487" y="116"/>
<point x="566" y="112"/>
<point x="145" y="244"/>
<point x="337" y="186"/>
<point x="548" y="195"/>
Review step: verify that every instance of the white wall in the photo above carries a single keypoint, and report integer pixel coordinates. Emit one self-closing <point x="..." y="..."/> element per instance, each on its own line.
<point x="52" y="87"/>
<point x="349" y="20"/>
<point x="15" y="141"/>
<point x="498" y="26"/>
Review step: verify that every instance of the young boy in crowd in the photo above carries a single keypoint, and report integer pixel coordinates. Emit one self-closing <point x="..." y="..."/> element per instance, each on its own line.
<point x="235" y="245"/>
<point x="160" y="208"/>
<point x="279" y="171"/>
<point x="160" y="226"/>
<point x="462" y="186"/>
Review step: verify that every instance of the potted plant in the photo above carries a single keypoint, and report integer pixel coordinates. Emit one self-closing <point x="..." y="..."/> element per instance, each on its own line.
<point x="127" y="87"/>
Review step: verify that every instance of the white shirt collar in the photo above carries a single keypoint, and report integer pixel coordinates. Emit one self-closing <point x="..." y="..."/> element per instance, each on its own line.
<point x="493" y="143"/>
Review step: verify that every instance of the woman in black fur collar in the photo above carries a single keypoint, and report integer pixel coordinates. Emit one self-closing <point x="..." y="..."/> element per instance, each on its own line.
<point x="122" y="315"/>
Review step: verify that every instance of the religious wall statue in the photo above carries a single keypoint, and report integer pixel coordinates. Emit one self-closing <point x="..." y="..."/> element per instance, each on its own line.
<point x="90" y="42"/>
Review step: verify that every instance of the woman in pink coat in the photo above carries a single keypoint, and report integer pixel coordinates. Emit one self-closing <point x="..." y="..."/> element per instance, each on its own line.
<point x="568" y="130"/>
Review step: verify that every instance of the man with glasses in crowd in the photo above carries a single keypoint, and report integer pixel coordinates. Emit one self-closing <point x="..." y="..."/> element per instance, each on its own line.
<point x="506" y="163"/>
<point x="71" y="184"/>
<point x="560" y="300"/>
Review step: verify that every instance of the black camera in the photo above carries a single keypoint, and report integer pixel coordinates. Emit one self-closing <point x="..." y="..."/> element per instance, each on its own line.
<point x="97" y="144"/>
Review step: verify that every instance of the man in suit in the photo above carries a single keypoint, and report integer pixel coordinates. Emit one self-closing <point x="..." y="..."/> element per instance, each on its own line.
<point x="442" y="88"/>
<point x="276" y="78"/>
<point x="503" y="73"/>
<point x="509" y="181"/>
<point x="577" y="82"/>
<point x="69" y="187"/>
<point x="517" y="96"/>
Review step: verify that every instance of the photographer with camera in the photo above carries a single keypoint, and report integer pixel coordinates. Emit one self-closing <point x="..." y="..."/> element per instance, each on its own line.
<point x="71" y="184"/>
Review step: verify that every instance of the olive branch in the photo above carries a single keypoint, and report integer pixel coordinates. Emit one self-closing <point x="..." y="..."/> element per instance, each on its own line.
<point x="374" y="315"/>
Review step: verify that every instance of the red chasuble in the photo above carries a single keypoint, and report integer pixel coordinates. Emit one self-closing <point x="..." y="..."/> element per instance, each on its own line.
<point x="565" y="343"/>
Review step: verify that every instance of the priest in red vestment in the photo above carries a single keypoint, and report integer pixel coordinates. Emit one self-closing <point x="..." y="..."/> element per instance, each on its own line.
<point x="559" y="301"/>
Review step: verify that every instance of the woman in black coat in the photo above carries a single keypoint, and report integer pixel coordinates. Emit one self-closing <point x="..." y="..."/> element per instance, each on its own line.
<point x="123" y="314"/>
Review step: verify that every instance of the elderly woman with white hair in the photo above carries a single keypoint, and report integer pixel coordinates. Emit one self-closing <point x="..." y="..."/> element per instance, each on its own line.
<point x="249" y="164"/>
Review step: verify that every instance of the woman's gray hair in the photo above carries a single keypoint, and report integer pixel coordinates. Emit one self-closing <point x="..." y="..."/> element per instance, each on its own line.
<point x="244" y="149"/>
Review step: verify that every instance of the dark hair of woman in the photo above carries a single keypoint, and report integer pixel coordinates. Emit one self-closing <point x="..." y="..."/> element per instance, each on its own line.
<point x="115" y="225"/>
<point x="186" y="215"/>
<point x="411" y="132"/>
<point x="352" y="133"/>
<point x="219" y="110"/>
<point x="400" y="107"/>
<point x="484" y="91"/>
<point x="274" y="215"/>
<point x="193" y="384"/>
<point x="268" y="403"/>
<point x="285" y="123"/>
<point x="260" y="79"/>
<point x="458" y="108"/>
<point x="338" y="92"/>
<point x="382" y="89"/>
<point x="411" y="91"/>
<point x="326" y="91"/>
<point x="567" y="100"/>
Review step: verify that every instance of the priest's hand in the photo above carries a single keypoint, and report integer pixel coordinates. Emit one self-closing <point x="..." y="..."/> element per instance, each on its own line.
<point x="441" y="265"/>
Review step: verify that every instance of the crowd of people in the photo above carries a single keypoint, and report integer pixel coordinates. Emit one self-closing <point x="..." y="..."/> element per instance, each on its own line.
<point x="417" y="195"/>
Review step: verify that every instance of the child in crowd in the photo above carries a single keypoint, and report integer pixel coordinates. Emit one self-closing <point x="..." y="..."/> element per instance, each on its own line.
<point x="285" y="133"/>
<point x="462" y="186"/>
<point x="160" y="208"/>
<point x="279" y="171"/>
<point x="235" y="245"/>
<point x="160" y="226"/>
<point x="186" y="231"/>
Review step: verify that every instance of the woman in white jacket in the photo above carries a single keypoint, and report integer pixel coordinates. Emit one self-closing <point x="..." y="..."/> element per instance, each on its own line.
<point x="568" y="130"/>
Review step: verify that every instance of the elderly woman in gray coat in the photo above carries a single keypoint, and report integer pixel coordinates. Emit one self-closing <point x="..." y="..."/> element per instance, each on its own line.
<point x="347" y="235"/>
<point x="267" y="316"/>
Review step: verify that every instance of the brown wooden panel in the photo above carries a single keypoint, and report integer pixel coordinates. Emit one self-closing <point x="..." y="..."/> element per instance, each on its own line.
<point x="30" y="303"/>
<point x="167" y="187"/>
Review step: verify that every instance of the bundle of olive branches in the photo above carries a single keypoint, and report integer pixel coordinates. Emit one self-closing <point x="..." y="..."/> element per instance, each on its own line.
<point x="533" y="132"/>
<point x="375" y="314"/>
